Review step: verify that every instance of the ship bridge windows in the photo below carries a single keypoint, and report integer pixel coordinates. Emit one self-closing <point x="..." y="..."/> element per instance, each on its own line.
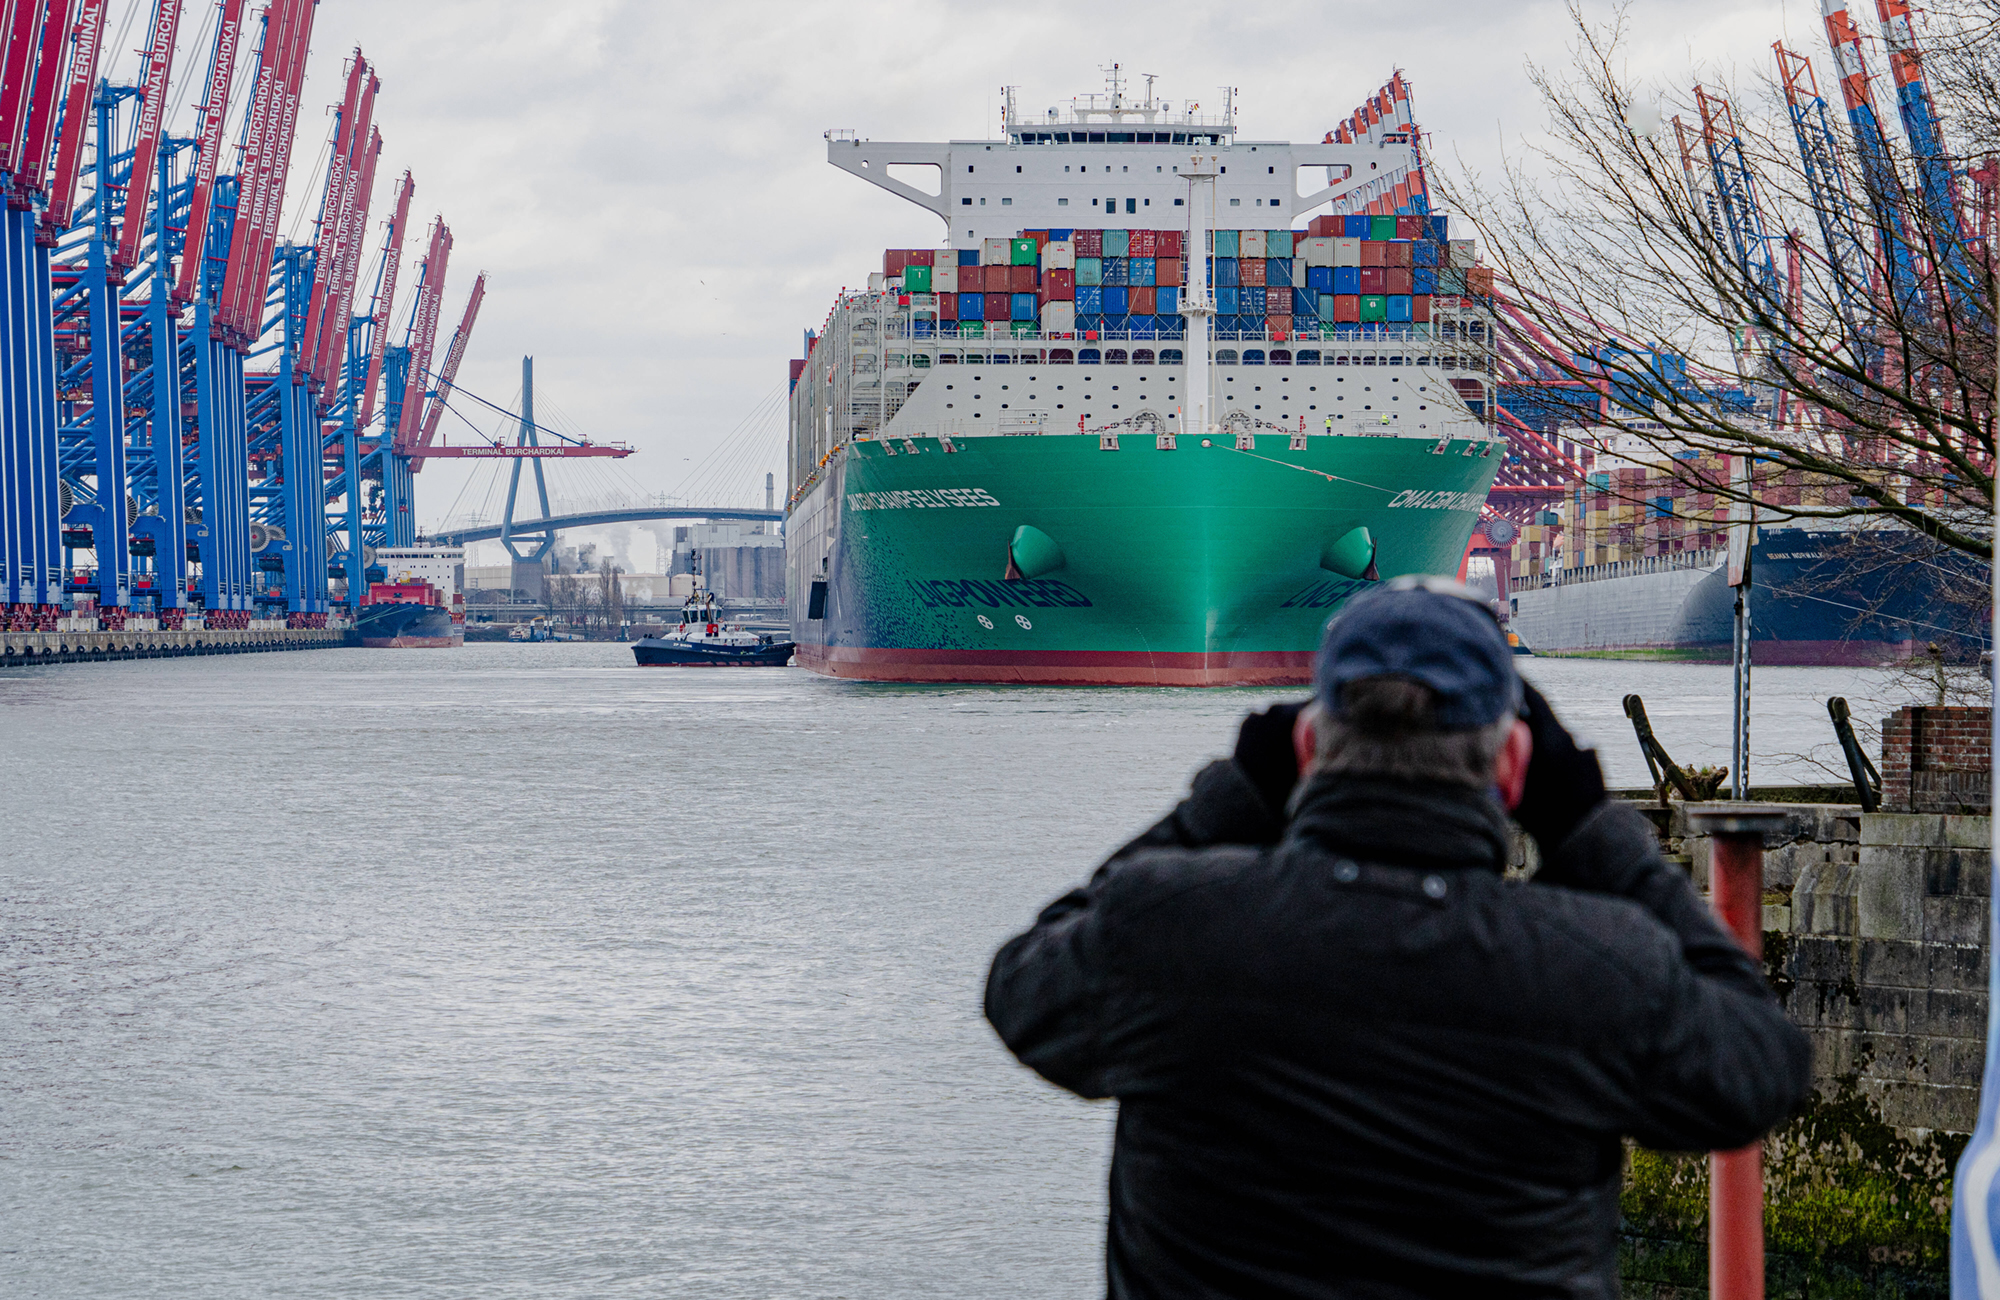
<point x="1253" y="356"/>
<point x="1170" y="356"/>
<point x="1307" y="357"/>
<point x="1225" y="356"/>
<point x="1114" y="356"/>
<point x="1142" y="356"/>
<point x="1088" y="357"/>
<point x="1061" y="357"/>
<point x="1280" y="357"/>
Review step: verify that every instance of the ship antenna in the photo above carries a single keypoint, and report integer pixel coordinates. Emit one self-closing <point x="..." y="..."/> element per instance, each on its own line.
<point x="1196" y="304"/>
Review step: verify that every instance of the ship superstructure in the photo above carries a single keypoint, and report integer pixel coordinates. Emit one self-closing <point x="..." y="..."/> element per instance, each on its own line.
<point x="1062" y="448"/>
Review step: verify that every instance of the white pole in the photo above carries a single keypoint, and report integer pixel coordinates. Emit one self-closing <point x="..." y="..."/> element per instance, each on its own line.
<point x="1196" y="302"/>
<point x="1975" y="1263"/>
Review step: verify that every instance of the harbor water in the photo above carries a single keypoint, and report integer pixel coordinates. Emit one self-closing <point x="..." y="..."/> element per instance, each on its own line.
<point x="517" y="971"/>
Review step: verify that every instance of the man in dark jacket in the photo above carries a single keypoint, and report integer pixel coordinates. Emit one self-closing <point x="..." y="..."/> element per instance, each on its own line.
<point x="1351" y="1060"/>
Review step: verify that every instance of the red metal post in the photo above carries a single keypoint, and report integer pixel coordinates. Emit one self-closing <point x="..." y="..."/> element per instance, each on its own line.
<point x="1736" y="1178"/>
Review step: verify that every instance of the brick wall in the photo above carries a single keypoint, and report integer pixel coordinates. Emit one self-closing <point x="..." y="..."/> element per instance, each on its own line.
<point x="1937" y="760"/>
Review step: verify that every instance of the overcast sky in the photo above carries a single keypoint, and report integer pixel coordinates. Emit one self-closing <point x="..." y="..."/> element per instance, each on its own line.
<point x="646" y="186"/>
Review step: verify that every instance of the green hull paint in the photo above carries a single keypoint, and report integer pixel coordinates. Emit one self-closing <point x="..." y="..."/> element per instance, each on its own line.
<point x="1198" y="565"/>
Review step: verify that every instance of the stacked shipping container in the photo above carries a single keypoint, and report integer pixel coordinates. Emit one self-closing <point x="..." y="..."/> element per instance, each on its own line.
<point x="1342" y="275"/>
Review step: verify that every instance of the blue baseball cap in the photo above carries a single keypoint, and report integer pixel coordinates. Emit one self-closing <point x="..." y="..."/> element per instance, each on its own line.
<point x="1430" y="630"/>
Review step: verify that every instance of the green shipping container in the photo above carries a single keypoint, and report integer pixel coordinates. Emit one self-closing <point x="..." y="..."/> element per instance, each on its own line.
<point x="972" y="329"/>
<point x="1278" y="243"/>
<point x="1117" y="243"/>
<point x="917" y="279"/>
<point x="1375" y="306"/>
<point x="1381" y="228"/>
<point x="1326" y="306"/>
<point x="1226" y="243"/>
<point x="1024" y="328"/>
<point x="1024" y="252"/>
<point x="1090" y="270"/>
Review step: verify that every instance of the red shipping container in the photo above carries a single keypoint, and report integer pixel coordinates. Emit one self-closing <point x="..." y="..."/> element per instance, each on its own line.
<point x="1039" y="236"/>
<point x="1398" y="254"/>
<point x="947" y="306"/>
<point x="1142" y="243"/>
<point x="1250" y="272"/>
<point x="1479" y="280"/>
<point x="894" y="260"/>
<point x="1373" y="254"/>
<point x="1059" y="285"/>
<point x="1347" y="309"/>
<point x="1144" y="301"/>
<point x="1374" y="279"/>
<point x="1090" y="243"/>
<point x="999" y="306"/>
<point x="1168" y="244"/>
<point x="1409" y="227"/>
<point x="1326" y="227"/>
<point x="1397" y="279"/>
<point x="1279" y="326"/>
<point x="972" y="279"/>
<point x="920" y="256"/>
<point x="1170" y="271"/>
<point x="1020" y="279"/>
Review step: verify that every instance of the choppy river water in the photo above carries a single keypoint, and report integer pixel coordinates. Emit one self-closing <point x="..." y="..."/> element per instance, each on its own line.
<point x="519" y="971"/>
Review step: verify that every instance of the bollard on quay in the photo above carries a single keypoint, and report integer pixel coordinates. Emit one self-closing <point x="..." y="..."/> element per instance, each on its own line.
<point x="1736" y="1178"/>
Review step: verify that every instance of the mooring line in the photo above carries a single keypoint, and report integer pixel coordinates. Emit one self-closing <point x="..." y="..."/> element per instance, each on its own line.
<point x="1307" y="469"/>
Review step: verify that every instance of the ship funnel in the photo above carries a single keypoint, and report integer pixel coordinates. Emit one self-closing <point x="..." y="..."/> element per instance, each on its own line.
<point x="1352" y="556"/>
<point x="1031" y="554"/>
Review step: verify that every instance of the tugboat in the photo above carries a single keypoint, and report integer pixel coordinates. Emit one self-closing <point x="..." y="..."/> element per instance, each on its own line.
<point x="703" y="641"/>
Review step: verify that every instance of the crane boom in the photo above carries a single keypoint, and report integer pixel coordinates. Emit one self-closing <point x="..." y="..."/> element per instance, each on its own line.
<point x="146" y="147"/>
<point x="75" y="118"/>
<point x="17" y="75"/>
<point x="208" y="145"/>
<point x="422" y="335"/>
<point x="1935" y="183"/>
<point x="1878" y="167"/>
<point x="250" y="166"/>
<point x="333" y="340"/>
<point x="448" y="372"/>
<point x="284" y="132"/>
<point x="332" y="219"/>
<point x="1819" y="156"/>
<point x="31" y="174"/>
<point x="385" y="299"/>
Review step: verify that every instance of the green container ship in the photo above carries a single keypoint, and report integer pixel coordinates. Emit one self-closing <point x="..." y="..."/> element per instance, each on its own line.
<point x="1169" y="499"/>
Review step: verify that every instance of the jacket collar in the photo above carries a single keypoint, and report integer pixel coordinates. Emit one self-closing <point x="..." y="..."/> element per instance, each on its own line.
<point x="1426" y="825"/>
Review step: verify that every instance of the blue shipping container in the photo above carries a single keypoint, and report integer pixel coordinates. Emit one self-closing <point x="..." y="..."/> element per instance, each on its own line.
<point x="1089" y="270"/>
<point x="972" y="306"/>
<point x="1140" y="271"/>
<point x="1252" y="300"/>
<point x="1142" y="327"/>
<point x="1089" y="299"/>
<point x="968" y="257"/>
<point x="1425" y="253"/>
<point x="1278" y="272"/>
<point x="1116" y="299"/>
<point x="1114" y="271"/>
<point x="1347" y="279"/>
<point x="1225" y="243"/>
<point x="1320" y="278"/>
<point x="1168" y="301"/>
<point x="1305" y="302"/>
<point x="1355" y="227"/>
<point x="1225" y="299"/>
<point x="1423" y="279"/>
<point x="1089" y="323"/>
<point x="1226" y="271"/>
<point x="1061" y="234"/>
<point x="1025" y="305"/>
<point x="1439" y="226"/>
<point x="1399" y="306"/>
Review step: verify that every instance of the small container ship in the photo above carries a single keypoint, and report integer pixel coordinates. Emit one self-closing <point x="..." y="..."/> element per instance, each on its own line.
<point x="703" y="640"/>
<point x="1126" y="425"/>
<point x="413" y="601"/>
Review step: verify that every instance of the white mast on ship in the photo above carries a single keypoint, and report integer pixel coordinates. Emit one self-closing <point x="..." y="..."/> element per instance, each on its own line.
<point x="1197" y="303"/>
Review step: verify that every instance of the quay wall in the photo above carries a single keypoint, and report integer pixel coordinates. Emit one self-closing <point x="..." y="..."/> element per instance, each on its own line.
<point x="18" y="649"/>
